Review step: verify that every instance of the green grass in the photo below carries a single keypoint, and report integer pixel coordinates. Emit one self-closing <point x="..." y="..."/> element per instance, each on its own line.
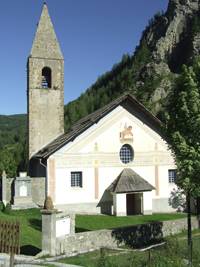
<point x="171" y="254"/>
<point x="31" y="230"/>
<point x="184" y="234"/>
<point x="93" y="259"/>
<point x="98" y="222"/>
<point x="31" y="221"/>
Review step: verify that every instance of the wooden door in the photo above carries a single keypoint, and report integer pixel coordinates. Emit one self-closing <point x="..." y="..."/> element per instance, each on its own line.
<point x="130" y="204"/>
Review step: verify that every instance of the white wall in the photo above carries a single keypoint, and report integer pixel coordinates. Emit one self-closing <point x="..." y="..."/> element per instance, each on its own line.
<point x="119" y="204"/>
<point x="147" y="202"/>
<point x="99" y="147"/>
<point x="66" y="194"/>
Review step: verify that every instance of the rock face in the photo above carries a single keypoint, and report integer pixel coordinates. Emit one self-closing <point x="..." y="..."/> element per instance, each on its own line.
<point x="173" y="45"/>
<point x="176" y="39"/>
<point x="196" y="45"/>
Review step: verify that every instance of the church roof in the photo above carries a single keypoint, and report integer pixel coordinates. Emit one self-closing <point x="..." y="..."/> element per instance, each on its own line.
<point x="45" y="44"/>
<point x="127" y="101"/>
<point x="129" y="181"/>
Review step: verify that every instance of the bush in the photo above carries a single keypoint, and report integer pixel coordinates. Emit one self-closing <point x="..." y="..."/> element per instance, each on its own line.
<point x="8" y="209"/>
<point x="1" y="206"/>
<point x="169" y="255"/>
<point x="105" y="261"/>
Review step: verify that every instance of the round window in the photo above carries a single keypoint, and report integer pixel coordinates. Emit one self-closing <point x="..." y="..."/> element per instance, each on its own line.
<point x="126" y="154"/>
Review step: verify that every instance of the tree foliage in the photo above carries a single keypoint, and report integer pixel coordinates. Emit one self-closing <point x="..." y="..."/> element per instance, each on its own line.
<point x="181" y="130"/>
<point x="13" y="144"/>
<point x="8" y="163"/>
<point x="125" y="76"/>
<point x="195" y="25"/>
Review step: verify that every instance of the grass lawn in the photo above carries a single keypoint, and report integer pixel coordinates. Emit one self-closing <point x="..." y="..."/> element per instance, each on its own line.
<point x="31" y="229"/>
<point x="172" y="254"/>
<point x="31" y="221"/>
<point x="97" y="222"/>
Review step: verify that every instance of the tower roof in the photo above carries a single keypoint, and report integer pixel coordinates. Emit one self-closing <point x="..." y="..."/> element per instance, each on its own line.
<point x="45" y="44"/>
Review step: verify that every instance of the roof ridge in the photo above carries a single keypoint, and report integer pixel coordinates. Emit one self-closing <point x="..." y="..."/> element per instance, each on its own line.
<point x="81" y="125"/>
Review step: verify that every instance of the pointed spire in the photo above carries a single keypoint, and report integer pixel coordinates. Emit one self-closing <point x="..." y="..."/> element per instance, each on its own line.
<point x="45" y="44"/>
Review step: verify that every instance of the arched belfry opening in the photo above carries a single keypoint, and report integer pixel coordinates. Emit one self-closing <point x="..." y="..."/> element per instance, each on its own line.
<point x="46" y="77"/>
<point x="45" y="74"/>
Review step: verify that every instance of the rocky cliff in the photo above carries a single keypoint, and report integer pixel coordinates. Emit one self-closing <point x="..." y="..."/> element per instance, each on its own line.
<point x="173" y="40"/>
<point x="170" y="40"/>
<point x="177" y="38"/>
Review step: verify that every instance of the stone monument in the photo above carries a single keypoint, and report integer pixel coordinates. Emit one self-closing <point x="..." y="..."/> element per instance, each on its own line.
<point x="22" y="192"/>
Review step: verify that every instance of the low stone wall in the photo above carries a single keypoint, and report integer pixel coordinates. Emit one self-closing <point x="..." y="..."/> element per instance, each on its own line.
<point x="9" y="189"/>
<point x="38" y="187"/>
<point x="121" y="236"/>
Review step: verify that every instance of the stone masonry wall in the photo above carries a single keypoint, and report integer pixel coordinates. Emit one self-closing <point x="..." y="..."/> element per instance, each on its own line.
<point x="38" y="187"/>
<point x="9" y="189"/>
<point x="45" y="105"/>
<point x="121" y="236"/>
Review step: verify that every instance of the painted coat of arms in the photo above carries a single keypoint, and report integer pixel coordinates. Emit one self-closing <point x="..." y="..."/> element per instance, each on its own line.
<point x="126" y="135"/>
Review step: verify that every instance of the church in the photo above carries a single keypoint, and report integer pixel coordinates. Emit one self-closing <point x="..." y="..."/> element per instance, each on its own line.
<point x="114" y="161"/>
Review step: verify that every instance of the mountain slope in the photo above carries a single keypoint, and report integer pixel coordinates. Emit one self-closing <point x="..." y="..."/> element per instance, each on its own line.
<point x="13" y="144"/>
<point x="169" y="41"/>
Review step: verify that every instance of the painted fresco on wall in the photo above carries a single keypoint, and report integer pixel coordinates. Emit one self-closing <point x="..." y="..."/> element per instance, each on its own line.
<point x="126" y="135"/>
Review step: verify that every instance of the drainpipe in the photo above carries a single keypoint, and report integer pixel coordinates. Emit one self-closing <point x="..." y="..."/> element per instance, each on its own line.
<point x="40" y="161"/>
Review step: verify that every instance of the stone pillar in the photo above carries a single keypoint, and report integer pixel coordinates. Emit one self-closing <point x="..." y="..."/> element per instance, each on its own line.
<point x="3" y="188"/>
<point x="49" y="231"/>
<point x="22" y="190"/>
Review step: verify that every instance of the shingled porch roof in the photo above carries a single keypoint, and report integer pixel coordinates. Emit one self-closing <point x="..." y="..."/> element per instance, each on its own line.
<point x="129" y="181"/>
<point x="86" y="122"/>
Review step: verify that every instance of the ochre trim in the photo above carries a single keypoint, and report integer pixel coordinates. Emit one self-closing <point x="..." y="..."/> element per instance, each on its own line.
<point x="96" y="182"/>
<point x="156" y="181"/>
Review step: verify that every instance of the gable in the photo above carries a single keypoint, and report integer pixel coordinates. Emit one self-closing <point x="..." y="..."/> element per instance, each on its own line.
<point x="115" y="129"/>
<point x="74" y="132"/>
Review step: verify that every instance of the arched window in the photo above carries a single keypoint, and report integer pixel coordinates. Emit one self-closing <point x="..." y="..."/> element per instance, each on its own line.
<point x="46" y="77"/>
<point x="126" y="154"/>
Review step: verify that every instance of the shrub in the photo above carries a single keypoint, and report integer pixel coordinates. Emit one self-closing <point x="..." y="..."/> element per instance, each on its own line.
<point x="1" y="206"/>
<point x="8" y="209"/>
<point x="169" y="255"/>
<point x="105" y="261"/>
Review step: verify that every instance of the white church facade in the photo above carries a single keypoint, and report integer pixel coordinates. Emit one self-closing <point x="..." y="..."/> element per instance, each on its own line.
<point x="114" y="161"/>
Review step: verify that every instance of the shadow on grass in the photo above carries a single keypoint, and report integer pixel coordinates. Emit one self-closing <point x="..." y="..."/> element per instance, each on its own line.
<point x="80" y="230"/>
<point x="29" y="250"/>
<point x="36" y="224"/>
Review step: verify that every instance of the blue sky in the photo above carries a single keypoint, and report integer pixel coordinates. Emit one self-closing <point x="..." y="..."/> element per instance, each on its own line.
<point x="93" y="35"/>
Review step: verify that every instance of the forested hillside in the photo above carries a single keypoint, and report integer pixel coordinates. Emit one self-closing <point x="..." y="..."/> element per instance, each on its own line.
<point x="170" y="40"/>
<point x="13" y="144"/>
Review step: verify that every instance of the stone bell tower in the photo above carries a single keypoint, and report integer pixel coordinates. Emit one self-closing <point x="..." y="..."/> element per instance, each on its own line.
<point x="45" y="92"/>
